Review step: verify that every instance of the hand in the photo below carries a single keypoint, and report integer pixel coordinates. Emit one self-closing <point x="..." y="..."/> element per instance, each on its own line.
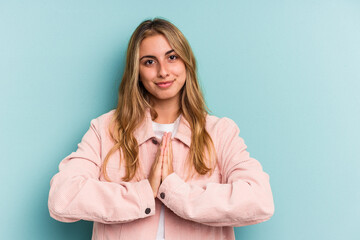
<point x="156" y="169"/>
<point x="167" y="165"/>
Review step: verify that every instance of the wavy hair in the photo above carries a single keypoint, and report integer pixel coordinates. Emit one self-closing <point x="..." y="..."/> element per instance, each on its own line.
<point x="133" y="101"/>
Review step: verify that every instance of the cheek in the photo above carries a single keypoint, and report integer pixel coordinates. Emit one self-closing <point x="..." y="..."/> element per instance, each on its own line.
<point x="146" y="75"/>
<point x="179" y="70"/>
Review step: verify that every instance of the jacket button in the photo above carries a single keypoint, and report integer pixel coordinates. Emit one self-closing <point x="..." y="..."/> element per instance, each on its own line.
<point x="154" y="141"/>
<point x="147" y="211"/>
<point x="162" y="195"/>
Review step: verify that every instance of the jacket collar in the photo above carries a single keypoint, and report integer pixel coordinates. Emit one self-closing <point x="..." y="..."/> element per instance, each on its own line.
<point x="145" y="130"/>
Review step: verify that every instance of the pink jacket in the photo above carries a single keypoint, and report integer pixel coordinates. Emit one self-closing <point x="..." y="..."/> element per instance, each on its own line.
<point x="237" y="193"/>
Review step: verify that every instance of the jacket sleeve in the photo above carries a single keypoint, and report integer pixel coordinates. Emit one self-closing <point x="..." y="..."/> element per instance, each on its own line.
<point x="244" y="197"/>
<point x="77" y="193"/>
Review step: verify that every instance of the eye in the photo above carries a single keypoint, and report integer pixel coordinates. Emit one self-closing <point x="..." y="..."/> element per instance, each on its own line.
<point x="149" y="62"/>
<point x="173" y="57"/>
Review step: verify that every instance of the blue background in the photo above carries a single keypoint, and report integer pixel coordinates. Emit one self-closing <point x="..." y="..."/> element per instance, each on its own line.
<point x="286" y="71"/>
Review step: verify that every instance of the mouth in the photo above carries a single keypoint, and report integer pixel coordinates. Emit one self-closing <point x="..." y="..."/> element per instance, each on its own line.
<point x="165" y="84"/>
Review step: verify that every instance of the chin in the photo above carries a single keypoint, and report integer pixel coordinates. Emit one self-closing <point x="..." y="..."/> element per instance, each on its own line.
<point x="165" y="97"/>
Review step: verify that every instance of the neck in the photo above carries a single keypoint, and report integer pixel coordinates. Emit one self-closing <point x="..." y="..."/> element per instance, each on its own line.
<point x="167" y="110"/>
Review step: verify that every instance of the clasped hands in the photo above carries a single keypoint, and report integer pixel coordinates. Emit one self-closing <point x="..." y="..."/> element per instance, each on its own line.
<point x="163" y="164"/>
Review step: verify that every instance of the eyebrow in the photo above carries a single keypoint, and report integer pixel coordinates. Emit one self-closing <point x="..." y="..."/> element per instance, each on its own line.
<point x="150" y="56"/>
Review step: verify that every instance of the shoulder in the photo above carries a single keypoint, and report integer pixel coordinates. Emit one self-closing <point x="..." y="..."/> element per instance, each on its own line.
<point x="224" y="133"/>
<point x="101" y="123"/>
<point x="215" y="124"/>
<point x="105" y="117"/>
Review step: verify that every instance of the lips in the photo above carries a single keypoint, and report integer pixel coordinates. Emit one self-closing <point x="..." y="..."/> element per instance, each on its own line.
<point x="164" y="84"/>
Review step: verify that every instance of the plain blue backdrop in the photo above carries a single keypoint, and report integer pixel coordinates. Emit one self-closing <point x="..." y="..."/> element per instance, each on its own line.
<point x="287" y="72"/>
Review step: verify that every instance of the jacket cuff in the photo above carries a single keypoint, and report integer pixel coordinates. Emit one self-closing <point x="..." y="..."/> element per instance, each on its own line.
<point x="146" y="195"/>
<point x="168" y="187"/>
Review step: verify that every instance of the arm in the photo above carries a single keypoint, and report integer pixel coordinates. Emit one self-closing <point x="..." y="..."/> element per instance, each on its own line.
<point x="245" y="198"/>
<point x="77" y="193"/>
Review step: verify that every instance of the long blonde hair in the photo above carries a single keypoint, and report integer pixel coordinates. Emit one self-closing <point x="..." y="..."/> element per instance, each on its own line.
<point x="133" y="101"/>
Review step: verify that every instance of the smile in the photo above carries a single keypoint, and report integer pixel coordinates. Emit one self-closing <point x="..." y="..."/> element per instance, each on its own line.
<point x="165" y="84"/>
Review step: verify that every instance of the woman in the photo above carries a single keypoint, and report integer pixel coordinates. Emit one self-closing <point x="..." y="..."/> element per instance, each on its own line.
<point x="160" y="167"/>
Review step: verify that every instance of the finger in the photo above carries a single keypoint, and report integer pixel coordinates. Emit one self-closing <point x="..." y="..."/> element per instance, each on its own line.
<point x="170" y="149"/>
<point x="162" y="153"/>
<point x="155" y="163"/>
<point x="156" y="167"/>
<point x="169" y="137"/>
<point x="164" y="140"/>
<point x="158" y="153"/>
<point x="157" y="157"/>
<point x="169" y="154"/>
<point x="165" y="157"/>
<point x="170" y="159"/>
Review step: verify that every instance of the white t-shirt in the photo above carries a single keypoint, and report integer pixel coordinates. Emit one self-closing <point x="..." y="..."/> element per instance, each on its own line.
<point x="159" y="130"/>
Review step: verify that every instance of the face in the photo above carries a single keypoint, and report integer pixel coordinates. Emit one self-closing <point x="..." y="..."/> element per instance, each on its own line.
<point x="162" y="72"/>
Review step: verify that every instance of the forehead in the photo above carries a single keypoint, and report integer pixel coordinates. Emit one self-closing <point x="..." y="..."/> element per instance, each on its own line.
<point x="154" y="45"/>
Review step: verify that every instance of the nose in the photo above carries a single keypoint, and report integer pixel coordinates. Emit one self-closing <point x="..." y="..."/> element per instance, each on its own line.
<point x="163" y="71"/>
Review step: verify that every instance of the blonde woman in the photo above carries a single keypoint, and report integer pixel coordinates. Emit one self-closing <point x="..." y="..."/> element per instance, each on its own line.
<point x="159" y="166"/>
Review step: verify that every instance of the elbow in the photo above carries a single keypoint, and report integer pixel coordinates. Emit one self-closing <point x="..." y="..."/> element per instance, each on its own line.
<point x="59" y="217"/>
<point x="264" y="209"/>
<point x="57" y="212"/>
<point x="58" y="202"/>
<point x="267" y="211"/>
<point x="259" y="210"/>
<point x="259" y="214"/>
